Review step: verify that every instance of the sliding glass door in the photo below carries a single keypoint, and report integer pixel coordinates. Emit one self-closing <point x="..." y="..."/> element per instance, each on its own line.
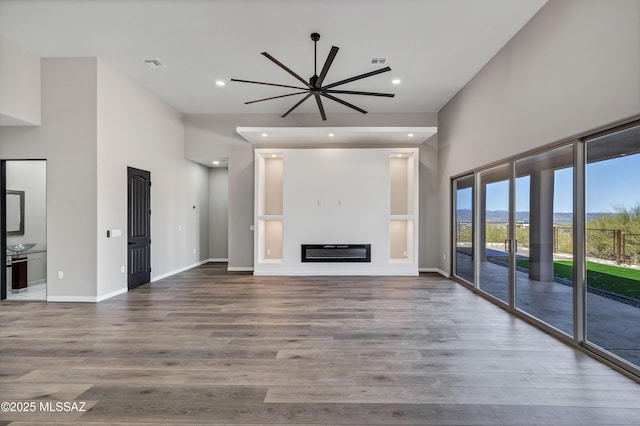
<point x="495" y="232"/>
<point x="555" y="237"/>
<point x="544" y="235"/>
<point x="613" y="243"/>
<point x="463" y="256"/>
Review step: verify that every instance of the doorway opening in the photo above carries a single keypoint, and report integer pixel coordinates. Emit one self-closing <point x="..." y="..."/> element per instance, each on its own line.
<point x="24" y="229"/>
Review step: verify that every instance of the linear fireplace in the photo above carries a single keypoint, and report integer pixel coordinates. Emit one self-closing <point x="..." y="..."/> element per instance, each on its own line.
<point x="336" y="252"/>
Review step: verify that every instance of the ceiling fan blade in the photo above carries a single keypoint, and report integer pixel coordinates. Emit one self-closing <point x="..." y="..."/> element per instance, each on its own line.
<point x="268" y="84"/>
<point x="320" y="107"/>
<point x="353" y="92"/>
<point x="296" y="105"/>
<point x="275" y="97"/>
<point x="358" y="77"/>
<point x="278" y="63"/>
<point x="327" y="65"/>
<point x="340" y="101"/>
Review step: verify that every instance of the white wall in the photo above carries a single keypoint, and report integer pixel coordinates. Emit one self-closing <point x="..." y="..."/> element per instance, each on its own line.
<point x="219" y="213"/>
<point x="138" y="129"/>
<point x="574" y="67"/>
<point x="31" y="177"/>
<point x="67" y="140"/>
<point x="20" y="102"/>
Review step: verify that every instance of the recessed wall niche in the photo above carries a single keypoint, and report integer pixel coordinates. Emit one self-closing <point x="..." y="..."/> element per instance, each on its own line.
<point x="402" y="206"/>
<point x="269" y="205"/>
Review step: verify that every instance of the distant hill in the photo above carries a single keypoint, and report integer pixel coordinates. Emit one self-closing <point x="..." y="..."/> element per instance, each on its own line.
<point x="502" y="216"/>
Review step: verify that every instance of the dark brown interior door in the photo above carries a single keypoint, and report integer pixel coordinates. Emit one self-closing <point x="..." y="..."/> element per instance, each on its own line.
<point x="139" y="227"/>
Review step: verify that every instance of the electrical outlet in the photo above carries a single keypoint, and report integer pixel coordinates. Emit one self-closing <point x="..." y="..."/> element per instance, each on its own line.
<point x="194" y="251"/>
<point x="179" y="227"/>
<point x="60" y="275"/>
<point x="405" y="253"/>
<point x="268" y="252"/>
<point x="122" y="269"/>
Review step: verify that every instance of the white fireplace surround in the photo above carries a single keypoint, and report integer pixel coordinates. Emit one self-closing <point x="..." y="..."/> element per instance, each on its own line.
<point x="336" y="196"/>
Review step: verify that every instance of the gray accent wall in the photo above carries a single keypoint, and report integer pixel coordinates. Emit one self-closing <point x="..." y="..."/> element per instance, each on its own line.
<point x="428" y="204"/>
<point x="67" y="140"/>
<point x="574" y="67"/>
<point x="219" y="213"/>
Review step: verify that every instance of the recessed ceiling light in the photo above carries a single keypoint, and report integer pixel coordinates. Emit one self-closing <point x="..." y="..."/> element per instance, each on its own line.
<point x="399" y="155"/>
<point x="396" y="81"/>
<point x="220" y="83"/>
<point x="216" y="162"/>
<point x="410" y="135"/>
<point x="273" y="155"/>
<point x="331" y="135"/>
<point x="264" y="135"/>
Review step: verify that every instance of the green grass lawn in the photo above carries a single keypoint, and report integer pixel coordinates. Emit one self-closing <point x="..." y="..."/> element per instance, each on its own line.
<point x="616" y="279"/>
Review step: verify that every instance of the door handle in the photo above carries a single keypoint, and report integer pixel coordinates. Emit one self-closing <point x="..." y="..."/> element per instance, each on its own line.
<point x="507" y="246"/>
<point x="515" y="246"/>
<point x="130" y="243"/>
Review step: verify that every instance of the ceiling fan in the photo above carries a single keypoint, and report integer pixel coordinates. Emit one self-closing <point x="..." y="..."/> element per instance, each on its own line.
<point x="314" y="87"/>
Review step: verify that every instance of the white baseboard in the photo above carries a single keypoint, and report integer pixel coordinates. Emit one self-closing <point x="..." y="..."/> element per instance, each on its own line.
<point x="218" y="260"/>
<point x="240" y="268"/>
<point x="177" y="271"/>
<point x="91" y="299"/>
<point x="112" y="294"/>
<point x="81" y="299"/>
<point x="437" y="270"/>
<point x="86" y="299"/>
<point x="335" y="274"/>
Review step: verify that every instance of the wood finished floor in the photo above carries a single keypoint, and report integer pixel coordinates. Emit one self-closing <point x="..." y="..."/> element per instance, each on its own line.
<point x="211" y="347"/>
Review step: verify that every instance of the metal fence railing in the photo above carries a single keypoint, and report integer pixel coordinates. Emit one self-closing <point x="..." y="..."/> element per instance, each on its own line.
<point x="614" y="245"/>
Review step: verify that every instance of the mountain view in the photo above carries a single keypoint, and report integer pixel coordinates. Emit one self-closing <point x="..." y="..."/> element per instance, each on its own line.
<point x="465" y="215"/>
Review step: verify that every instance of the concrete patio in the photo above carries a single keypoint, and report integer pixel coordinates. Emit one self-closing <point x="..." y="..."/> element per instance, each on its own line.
<point x="611" y="324"/>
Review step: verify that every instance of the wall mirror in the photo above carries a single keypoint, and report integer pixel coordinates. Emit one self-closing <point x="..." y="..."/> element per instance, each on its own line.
<point x="15" y="212"/>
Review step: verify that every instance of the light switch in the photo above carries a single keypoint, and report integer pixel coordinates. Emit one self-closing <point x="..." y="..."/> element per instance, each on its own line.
<point x="116" y="233"/>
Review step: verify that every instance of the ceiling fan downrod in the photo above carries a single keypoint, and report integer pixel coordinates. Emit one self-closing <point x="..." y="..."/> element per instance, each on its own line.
<point x="315" y="37"/>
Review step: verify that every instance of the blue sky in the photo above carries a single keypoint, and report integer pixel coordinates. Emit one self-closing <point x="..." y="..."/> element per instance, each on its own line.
<point x="610" y="184"/>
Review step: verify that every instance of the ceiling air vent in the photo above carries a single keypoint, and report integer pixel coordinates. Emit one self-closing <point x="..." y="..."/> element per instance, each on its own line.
<point x="154" y="63"/>
<point x="378" y="61"/>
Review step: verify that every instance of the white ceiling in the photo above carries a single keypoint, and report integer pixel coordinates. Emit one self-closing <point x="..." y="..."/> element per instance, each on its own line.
<point x="434" y="46"/>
